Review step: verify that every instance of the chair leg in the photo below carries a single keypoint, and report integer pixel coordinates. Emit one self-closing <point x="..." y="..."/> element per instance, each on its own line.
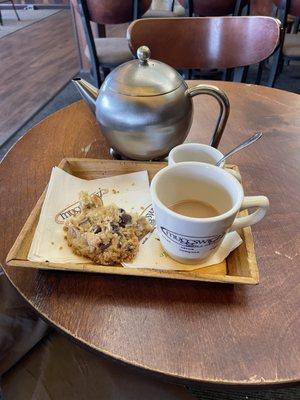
<point x="240" y="74"/>
<point x="101" y="30"/>
<point x="98" y="78"/>
<point x="245" y="73"/>
<point x="259" y="73"/>
<point x="238" y="8"/>
<point x="277" y="58"/>
<point x="136" y="10"/>
<point x="171" y="5"/>
<point x="1" y="21"/>
<point x="296" y="25"/>
<point x="15" y="10"/>
<point x="227" y="74"/>
<point x="281" y="65"/>
<point x="106" y="71"/>
<point x="289" y="27"/>
<point x="189" y="8"/>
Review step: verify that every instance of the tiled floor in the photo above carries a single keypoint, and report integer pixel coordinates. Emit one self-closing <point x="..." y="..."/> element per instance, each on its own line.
<point x="36" y="62"/>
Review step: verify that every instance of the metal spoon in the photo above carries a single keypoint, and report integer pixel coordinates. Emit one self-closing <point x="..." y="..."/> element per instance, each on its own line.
<point x="241" y="146"/>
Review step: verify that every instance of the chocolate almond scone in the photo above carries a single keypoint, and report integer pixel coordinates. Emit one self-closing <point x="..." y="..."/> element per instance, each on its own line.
<point x="108" y="234"/>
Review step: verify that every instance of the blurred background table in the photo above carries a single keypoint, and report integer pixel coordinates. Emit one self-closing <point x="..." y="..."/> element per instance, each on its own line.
<point x="187" y="331"/>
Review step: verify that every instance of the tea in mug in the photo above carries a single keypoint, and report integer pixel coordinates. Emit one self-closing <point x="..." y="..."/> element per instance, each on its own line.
<point x="194" y="209"/>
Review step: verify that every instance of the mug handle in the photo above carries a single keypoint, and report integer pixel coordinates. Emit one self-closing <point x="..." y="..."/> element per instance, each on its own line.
<point x="224" y="104"/>
<point x="262" y="204"/>
<point x="236" y="174"/>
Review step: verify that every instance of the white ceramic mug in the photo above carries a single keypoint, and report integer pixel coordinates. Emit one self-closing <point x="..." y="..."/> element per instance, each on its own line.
<point x="188" y="239"/>
<point x="198" y="152"/>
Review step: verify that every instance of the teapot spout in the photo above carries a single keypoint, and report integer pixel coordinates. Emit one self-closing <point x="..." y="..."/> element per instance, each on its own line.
<point x="87" y="91"/>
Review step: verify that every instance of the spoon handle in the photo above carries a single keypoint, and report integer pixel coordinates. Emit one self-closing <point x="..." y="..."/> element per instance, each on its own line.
<point x="241" y="146"/>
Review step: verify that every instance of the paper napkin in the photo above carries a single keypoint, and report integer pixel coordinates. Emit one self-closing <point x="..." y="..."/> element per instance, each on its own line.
<point x="128" y="191"/>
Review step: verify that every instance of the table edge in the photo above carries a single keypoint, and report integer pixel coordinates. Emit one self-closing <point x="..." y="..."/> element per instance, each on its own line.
<point x="251" y="384"/>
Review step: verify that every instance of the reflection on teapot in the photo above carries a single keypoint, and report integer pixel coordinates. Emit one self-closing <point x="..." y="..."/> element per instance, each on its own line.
<point x="144" y="107"/>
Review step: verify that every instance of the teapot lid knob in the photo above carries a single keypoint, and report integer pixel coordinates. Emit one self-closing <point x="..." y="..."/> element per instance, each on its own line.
<point x="143" y="54"/>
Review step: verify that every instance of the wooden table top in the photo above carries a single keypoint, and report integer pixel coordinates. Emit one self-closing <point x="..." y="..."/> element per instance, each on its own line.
<point x="211" y="333"/>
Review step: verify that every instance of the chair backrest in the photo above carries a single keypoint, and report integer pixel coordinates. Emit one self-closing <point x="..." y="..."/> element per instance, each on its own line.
<point x="293" y="6"/>
<point x="208" y="42"/>
<point x="211" y="8"/>
<point x="114" y="11"/>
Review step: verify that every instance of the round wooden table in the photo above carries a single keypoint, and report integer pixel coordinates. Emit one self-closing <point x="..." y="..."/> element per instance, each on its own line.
<point x="209" y="333"/>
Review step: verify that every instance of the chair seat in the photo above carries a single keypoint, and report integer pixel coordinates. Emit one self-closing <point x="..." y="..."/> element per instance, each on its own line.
<point x="178" y="12"/>
<point x="111" y="52"/>
<point x="291" y="47"/>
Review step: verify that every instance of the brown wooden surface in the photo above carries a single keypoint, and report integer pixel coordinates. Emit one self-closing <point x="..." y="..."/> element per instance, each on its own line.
<point x="240" y="267"/>
<point x="247" y="335"/>
<point x="261" y="7"/>
<point x="36" y="62"/>
<point x="240" y="41"/>
<point x="114" y="12"/>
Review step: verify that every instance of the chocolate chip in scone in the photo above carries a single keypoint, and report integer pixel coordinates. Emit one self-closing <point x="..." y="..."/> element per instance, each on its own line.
<point x="121" y="210"/>
<point x="125" y="219"/>
<point x="96" y="229"/>
<point x="114" y="227"/>
<point x="104" y="246"/>
<point x="130" y="247"/>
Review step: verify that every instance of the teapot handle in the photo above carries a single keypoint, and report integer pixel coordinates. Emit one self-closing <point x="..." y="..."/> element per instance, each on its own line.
<point x="224" y="104"/>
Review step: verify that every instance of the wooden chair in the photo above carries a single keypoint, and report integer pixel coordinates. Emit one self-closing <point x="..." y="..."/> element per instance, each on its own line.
<point x="213" y="8"/>
<point x="208" y="42"/>
<point x="289" y="48"/>
<point x="106" y="53"/>
<point x="117" y="11"/>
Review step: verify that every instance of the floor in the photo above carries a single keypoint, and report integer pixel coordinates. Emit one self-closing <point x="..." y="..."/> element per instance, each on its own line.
<point x="35" y="64"/>
<point x="44" y="2"/>
<point x="27" y="17"/>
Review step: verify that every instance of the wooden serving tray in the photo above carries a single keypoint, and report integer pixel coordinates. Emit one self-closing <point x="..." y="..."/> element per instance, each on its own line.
<point x="239" y="267"/>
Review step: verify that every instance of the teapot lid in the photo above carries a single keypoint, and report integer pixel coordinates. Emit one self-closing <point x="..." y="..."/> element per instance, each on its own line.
<point x="143" y="77"/>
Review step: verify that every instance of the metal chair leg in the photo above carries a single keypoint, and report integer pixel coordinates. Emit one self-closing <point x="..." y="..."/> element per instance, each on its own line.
<point x="15" y="10"/>
<point x="1" y="21"/>
<point x="171" y="5"/>
<point x="274" y="68"/>
<point x="136" y="10"/>
<point x="240" y="74"/>
<point x="189" y="8"/>
<point x="227" y="74"/>
<point x="259" y="73"/>
<point x="296" y="25"/>
<point x="97" y="76"/>
<point x="105" y="71"/>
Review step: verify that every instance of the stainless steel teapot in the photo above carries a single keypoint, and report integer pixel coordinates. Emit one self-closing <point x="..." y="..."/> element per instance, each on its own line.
<point x="144" y="107"/>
